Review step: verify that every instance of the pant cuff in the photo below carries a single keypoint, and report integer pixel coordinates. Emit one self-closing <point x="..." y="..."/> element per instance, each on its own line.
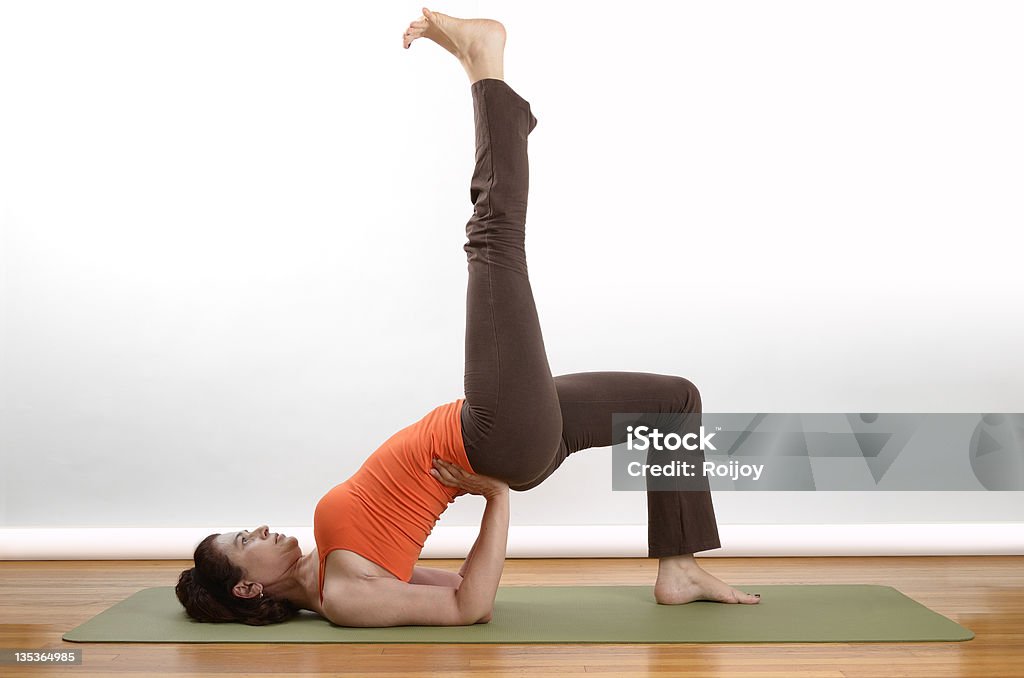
<point x="685" y="549"/>
<point x="483" y="84"/>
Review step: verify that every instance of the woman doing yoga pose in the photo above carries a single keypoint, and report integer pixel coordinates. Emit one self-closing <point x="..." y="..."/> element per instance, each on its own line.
<point x="514" y="427"/>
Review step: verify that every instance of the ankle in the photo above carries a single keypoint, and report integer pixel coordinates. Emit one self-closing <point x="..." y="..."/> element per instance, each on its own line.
<point x="482" y="69"/>
<point x="680" y="563"/>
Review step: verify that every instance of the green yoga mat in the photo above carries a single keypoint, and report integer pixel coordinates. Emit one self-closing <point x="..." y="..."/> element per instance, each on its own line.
<point x="572" y="614"/>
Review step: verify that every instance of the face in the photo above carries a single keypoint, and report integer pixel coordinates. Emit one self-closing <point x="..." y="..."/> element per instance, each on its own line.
<point x="264" y="555"/>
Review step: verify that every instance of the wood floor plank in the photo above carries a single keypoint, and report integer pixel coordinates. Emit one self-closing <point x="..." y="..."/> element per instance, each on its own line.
<point x="40" y="600"/>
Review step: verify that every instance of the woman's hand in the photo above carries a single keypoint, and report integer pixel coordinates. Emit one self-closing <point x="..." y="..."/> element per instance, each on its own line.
<point x="473" y="483"/>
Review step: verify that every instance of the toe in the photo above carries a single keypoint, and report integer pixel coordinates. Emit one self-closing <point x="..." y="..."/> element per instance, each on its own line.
<point x="735" y="596"/>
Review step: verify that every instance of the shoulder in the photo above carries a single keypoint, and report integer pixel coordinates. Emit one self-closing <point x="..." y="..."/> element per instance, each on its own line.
<point x="344" y="571"/>
<point x="342" y="564"/>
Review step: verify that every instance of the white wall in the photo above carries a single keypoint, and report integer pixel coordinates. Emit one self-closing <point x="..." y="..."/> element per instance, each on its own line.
<point x="230" y="238"/>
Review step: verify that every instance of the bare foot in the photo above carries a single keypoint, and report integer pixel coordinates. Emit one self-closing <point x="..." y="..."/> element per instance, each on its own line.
<point x="476" y="43"/>
<point x="683" y="582"/>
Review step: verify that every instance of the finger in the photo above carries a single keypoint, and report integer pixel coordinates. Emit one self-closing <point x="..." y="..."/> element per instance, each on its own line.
<point x="448" y="466"/>
<point x="455" y="480"/>
<point x="440" y="473"/>
<point x="452" y="472"/>
<point x="453" y="477"/>
<point x="439" y="470"/>
<point x="437" y="474"/>
<point x="447" y="476"/>
<point x="454" y="469"/>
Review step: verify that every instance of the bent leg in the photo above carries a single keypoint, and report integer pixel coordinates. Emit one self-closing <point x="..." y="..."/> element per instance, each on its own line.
<point x="679" y="522"/>
<point x="511" y="422"/>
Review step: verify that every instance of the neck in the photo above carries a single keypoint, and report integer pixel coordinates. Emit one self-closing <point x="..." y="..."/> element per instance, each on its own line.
<point x="301" y="583"/>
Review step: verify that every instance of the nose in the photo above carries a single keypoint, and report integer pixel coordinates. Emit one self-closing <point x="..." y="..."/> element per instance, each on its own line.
<point x="262" y="530"/>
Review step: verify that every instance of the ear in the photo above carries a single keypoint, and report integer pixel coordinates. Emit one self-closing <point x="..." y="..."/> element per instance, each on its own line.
<point x="247" y="589"/>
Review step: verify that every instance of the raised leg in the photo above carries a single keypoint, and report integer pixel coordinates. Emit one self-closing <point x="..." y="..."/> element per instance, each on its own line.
<point x="511" y="422"/>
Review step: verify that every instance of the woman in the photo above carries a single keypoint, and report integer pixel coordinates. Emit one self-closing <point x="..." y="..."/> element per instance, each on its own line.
<point x="514" y="427"/>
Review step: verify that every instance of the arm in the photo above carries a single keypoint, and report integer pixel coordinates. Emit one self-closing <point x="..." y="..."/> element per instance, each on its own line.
<point x="482" y="575"/>
<point x="482" y="570"/>
<point x="383" y="601"/>
<point x="469" y="558"/>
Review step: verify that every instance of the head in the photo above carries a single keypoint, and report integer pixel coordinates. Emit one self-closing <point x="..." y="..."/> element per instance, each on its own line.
<point x="232" y="573"/>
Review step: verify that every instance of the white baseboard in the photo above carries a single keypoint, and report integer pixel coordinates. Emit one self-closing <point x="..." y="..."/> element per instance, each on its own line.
<point x="543" y="541"/>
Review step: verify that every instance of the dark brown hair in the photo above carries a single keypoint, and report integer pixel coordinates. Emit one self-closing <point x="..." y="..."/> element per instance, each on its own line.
<point x="205" y="592"/>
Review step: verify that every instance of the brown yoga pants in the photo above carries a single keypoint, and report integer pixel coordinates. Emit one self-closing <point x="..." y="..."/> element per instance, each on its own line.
<point x="518" y="422"/>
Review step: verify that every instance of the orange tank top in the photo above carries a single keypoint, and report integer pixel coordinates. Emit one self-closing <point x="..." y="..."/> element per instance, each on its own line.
<point x="386" y="510"/>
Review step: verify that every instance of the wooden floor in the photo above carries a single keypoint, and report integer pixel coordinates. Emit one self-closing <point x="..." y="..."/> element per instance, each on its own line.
<point x="41" y="600"/>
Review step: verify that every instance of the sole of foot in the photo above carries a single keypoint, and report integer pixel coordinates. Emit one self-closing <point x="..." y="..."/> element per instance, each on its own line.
<point x="469" y="40"/>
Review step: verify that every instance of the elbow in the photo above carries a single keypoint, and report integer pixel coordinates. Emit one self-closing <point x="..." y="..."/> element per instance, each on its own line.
<point x="481" y="619"/>
<point x="476" y="617"/>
